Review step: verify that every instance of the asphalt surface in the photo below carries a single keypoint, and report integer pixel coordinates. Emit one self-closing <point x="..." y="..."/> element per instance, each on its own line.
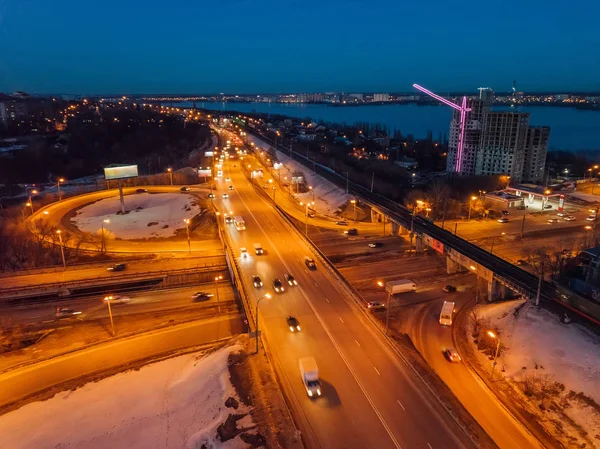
<point x="431" y="339"/>
<point x="99" y="271"/>
<point x="370" y="398"/>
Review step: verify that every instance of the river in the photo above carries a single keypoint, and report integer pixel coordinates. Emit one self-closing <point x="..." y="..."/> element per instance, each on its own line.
<point x="570" y="129"/>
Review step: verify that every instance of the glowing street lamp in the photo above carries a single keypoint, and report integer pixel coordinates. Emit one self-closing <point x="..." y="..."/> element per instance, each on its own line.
<point x="268" y="296"/>
<point x="473" y="198"/>
<point x="187" y="228"/>
<point x="170" y="170"/>
<point x="493" y="335"/>
<point x="62" y="248"/>
<point x="354" y="204"/>
<point x="103" y="248"/>
<point x="58" y="185"/>
<point x="30" y="202"/>
<point x="217" y="279"/>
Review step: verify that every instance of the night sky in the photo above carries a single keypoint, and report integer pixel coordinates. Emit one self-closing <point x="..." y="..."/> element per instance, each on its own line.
<point x="245" y="46"/>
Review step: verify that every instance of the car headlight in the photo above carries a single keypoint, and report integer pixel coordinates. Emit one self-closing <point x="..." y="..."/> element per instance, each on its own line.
<point x="319" y="392"/>
<point x="298" y="327"/>
<point x="310" y="393"/>
<point x="292" y="328"/>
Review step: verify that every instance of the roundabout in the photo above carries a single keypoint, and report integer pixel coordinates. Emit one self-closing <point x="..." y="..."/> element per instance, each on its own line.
<point x="157" y="219"/>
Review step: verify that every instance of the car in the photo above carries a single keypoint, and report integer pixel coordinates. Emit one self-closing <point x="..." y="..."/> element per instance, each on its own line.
<point x="548" y="206"/>
<point x="449" y="288"/>
<point x="141" y="190"/>
<point x="63" y="312"/>
<point x="591" y="218"/>
<point x="452" y="355"/>
<point x="117" y="267"/>
<point x="235" y="165"/>
<point x="310" y="263"/>
<point x="341" y="223"/>
<point x="352" y="231"/>
<point x="505" y="212"/>
<point x="227" y="179"/>
<point x="592" y="211"/>
<point x="243" y="253"/>
<point x="225" y="196"/>
<point x="257" y="281"/>
<point x="311" y="214"/>
<point x="117" y="299"/>
<point x="375" y="245"/>
<point x="202" y="296"/>
<point x="569" y="218"/>
<point x="552" y="220"/>
<point x="293" y="323"/>
<point x="561" y="214"/>
<point x="375" y="305"/>
<point x="228" y="220"/>
<point x="278" y="286"/>
<point x="185" y="189"/>
<point x="290" y="279"/>
<point x="230" y="187"/>
<point x="503" y="220"/>
<point x="211" y="195"/>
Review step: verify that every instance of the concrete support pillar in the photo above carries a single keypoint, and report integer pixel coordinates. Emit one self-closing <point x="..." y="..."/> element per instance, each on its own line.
<point x="403" y="231"/>
<point x="492" y="290"/>
<point x="375" y="216"/>
<point x="396" y="229"/>
<point x="419" y="244"/>
<point x="452" y="267"/>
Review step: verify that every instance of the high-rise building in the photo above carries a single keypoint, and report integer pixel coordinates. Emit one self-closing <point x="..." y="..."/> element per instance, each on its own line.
<point x="381" y="97"/>
<point x="497" y="142"/>
<point x="535" y="153"/>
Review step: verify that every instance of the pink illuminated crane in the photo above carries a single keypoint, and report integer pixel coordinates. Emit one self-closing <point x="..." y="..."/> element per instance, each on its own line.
<point x="463" y="116"/>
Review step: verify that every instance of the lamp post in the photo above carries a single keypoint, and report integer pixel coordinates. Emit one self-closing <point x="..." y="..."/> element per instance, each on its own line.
<point x="346" y="173"/>
<point x="493" y="240"/>
<point x="313" y="192"/>
<point x="108" y="299"/>
<point x="473" y="198"/>
<point x="493" y="335"/>
<point x="187" y="228"/>
<point x="354" y="204"/>
<point x="268" y="296"/>
<point x="58" y="185"/>
<point x="274" y="191"/>
<point x="306" y="215"/>
<point x="30" y="201"/>
<point x="170" y="170"/>
<point x="217" y="279"/>
<point x="103" y="247"/>
<point x="387" y="311"/>
<point x="62" y="248"/>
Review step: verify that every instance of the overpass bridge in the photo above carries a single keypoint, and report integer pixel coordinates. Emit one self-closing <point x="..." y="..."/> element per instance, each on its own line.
<point x="499" y="274"/>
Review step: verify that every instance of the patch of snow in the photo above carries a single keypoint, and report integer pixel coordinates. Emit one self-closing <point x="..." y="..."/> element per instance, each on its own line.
<point x="164" y="209"/>
<point x="176" y="403"/>
<point x="586" y="196"/>
<point x="329" y="198"/>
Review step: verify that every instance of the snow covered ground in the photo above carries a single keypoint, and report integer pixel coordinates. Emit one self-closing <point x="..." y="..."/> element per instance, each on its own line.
<point x="328" y="197"/>
<point x="587" y="196"/>
<point x="176" y="403"/>
<point x="569" y="353"/>
<point x="167" y="212"/>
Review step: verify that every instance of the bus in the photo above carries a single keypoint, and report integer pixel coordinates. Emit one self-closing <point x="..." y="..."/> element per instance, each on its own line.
<point x="447" y="313"/>
<point x="239" y="223"/>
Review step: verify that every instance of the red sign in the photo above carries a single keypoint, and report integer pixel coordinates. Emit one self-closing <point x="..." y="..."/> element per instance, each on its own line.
<point x="561" y="203"/>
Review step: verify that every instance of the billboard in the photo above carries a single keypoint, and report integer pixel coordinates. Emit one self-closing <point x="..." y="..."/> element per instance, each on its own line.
<point x="120" y="172"/>
<point x="209" y="153"/>
<point x="204" y="173"/>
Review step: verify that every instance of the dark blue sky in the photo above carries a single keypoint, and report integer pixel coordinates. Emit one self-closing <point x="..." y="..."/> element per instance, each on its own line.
<point x="186" y="46"/>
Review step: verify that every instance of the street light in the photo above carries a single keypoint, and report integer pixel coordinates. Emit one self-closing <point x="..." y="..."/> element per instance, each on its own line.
<point x="30" y="202"/>
<point x="62" y="248"/>
<point x="58" y="184"/>
<point x="354" y="204"/>
<point x="187" y="228"/>
<point x="107" y="300"/>
<point x="493" y="240"/>
<point x="268" y="296"/>
<point x="306" y="215"/>
<point x="387" y="311"/>
<point x="103" y="248"/>
<point x="473" y="198"/>
<point x="217" y="279"/>
<point x="170" y="170"/>
<point x="493" y="335"/>
<point x="313" y="192"/>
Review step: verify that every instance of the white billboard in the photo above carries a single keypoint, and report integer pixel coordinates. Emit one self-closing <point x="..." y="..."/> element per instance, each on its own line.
<point x="204" y="173"/>
<point x="209" y="153"/>
<point x="121" y="172"/>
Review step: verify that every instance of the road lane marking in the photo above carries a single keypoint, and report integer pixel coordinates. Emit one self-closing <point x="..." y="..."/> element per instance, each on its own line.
<point x="429" y="446"/>
<point x="316" y="285"/>
<point x="398" y="401"/>
<point x="357" y="343"/>
<point x="341" y="319"/>
<point x="327" y="299"/>
<point x="298" y="261"/>
<point x="377" y="371"/>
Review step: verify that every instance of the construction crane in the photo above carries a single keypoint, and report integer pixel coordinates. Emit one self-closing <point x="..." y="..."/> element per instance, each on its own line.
<point x="463" y="109"/>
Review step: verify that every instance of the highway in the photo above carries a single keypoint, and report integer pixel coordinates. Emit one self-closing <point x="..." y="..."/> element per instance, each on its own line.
<point x="99" y="271"/>
<point x="370" y="397"/>
<point x="431" y="339"/>
<point x="93" y="308"/>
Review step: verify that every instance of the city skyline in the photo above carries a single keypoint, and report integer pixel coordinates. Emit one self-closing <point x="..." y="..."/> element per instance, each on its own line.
<point x="271" y="48"/>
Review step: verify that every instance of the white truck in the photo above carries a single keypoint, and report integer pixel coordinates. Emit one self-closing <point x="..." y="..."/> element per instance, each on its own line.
<point x="310" y="376"/>
<point x="258" y="249"/>
<point x="447" y="313"/>
<point x="400" y="286"/>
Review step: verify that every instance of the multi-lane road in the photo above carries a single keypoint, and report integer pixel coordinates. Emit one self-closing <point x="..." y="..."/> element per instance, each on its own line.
<point x="370" y="397"/>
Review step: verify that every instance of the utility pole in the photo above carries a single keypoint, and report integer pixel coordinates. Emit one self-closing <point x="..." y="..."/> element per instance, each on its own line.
<point x="387" y="312"/>
<point x="372" y="182"/>
<point x="523" y="225"/>
<point x="539" y="289"/>
<point x="108" y="299"/>
<point x="346" y="181"/>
